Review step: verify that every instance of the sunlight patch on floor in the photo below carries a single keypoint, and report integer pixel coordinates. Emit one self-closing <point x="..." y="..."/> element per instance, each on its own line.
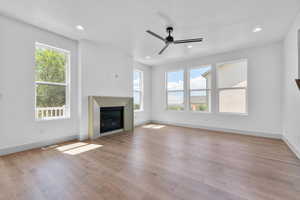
<point x="153" y="126"/>
<point x="70" y="146"/>
<point x="77" y="148"/>
<point x="83" y="149"/>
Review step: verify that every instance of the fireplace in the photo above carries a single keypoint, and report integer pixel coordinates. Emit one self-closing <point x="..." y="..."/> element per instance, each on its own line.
<point x="111" y="118"/>
<point x="102" y="105"/>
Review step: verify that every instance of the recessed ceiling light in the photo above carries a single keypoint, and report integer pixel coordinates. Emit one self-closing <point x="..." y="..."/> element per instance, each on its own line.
<point x="257" y="29"/>
<point x="147" y="57"/>
<point x="79" y="27"/>
<point x="190" y="46"/>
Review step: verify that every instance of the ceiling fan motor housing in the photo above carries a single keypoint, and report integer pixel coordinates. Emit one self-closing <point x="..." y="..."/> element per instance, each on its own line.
<point x="169" y="39"/>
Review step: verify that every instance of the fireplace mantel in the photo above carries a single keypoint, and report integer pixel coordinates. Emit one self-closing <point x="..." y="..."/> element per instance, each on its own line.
<point x="96" y="102"/>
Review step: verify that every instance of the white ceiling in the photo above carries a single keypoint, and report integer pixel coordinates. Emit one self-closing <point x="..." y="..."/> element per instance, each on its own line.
<point x="225" y="24"/>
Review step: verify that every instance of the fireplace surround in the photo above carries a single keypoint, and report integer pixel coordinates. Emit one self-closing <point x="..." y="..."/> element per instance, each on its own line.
<point x="96" y="103"/>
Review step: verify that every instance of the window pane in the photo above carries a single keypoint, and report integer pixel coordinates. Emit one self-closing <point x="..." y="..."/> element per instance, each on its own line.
<point x="200" y="100"/>
<point x="137" y="80"/>
<point x="232" y="75"/>
<point x="50" y="65"/>
<point x="200" y="78"/>
<point x="137" y="87"/>
<point x="175" y="80"/>
<point x="176" y="100"/>
<point x="233" y="101"/>
<point x="51" y="102"/>
<point x="137" y="100"/>
<point x="50" y="96"/>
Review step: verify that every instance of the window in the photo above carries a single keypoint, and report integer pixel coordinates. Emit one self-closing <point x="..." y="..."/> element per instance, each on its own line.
<point x="175" y="90"/>
<point x="200" y="89"/>
<point x="232" y="87"/>
<point x="51" y="82"/>
<point x="138" y="90"/>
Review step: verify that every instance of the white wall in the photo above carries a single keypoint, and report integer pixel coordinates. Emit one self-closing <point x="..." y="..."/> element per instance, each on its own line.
<point x="264" y="89"/>
<point x="291" y="101"/>
<point x="104" y="71"/>
<point x="17" y="89"/>
<point x="144" y="116"/>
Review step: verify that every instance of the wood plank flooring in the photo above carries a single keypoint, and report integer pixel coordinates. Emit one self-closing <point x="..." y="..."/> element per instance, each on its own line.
<point x="155" y="162"/>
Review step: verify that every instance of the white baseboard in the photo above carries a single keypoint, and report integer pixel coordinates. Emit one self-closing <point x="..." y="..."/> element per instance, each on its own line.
<point x="142" y="123"/>
<point x="225" y="130"/>
<point x="292" y="148"/>
<point x="83" y="137"/>
<point x="15" y="149"/>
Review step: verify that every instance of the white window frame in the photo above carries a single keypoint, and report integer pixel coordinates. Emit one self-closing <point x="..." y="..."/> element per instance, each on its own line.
<point x="189" y="90"/>
<point x="141" y="90"/>
<point x="67" y="83"/>
<point x="183" y="90"/>
<point x="218" y="90"/>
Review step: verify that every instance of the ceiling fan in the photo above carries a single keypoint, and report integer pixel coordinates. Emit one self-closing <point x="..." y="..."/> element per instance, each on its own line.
<point x="170" y="39"/>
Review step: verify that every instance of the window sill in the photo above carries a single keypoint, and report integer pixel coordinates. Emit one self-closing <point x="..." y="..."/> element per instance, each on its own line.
<point x="233" y="114"/>
<point x="200" y="112"/>
<point x="188" y="111"/>
<point x="53" y="119"/>
<point x="176" y="110"/>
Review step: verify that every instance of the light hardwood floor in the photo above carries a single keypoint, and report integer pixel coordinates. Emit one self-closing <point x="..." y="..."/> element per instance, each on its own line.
<point x="155" y="162"/>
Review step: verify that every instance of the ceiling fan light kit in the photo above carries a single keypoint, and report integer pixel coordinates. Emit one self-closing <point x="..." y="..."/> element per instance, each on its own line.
<point x="170" y="39"/>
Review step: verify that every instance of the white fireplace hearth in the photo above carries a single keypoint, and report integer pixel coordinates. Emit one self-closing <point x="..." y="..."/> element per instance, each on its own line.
<point x="97" y="102"/>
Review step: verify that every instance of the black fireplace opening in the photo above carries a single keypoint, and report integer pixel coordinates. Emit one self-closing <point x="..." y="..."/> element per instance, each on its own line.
<point x="111" y="118"/>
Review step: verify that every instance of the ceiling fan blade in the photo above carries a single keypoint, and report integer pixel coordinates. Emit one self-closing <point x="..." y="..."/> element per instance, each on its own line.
<point x="161" y="51"/>
<point x="156" y="35"/>
<point x="188" y="40"/>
